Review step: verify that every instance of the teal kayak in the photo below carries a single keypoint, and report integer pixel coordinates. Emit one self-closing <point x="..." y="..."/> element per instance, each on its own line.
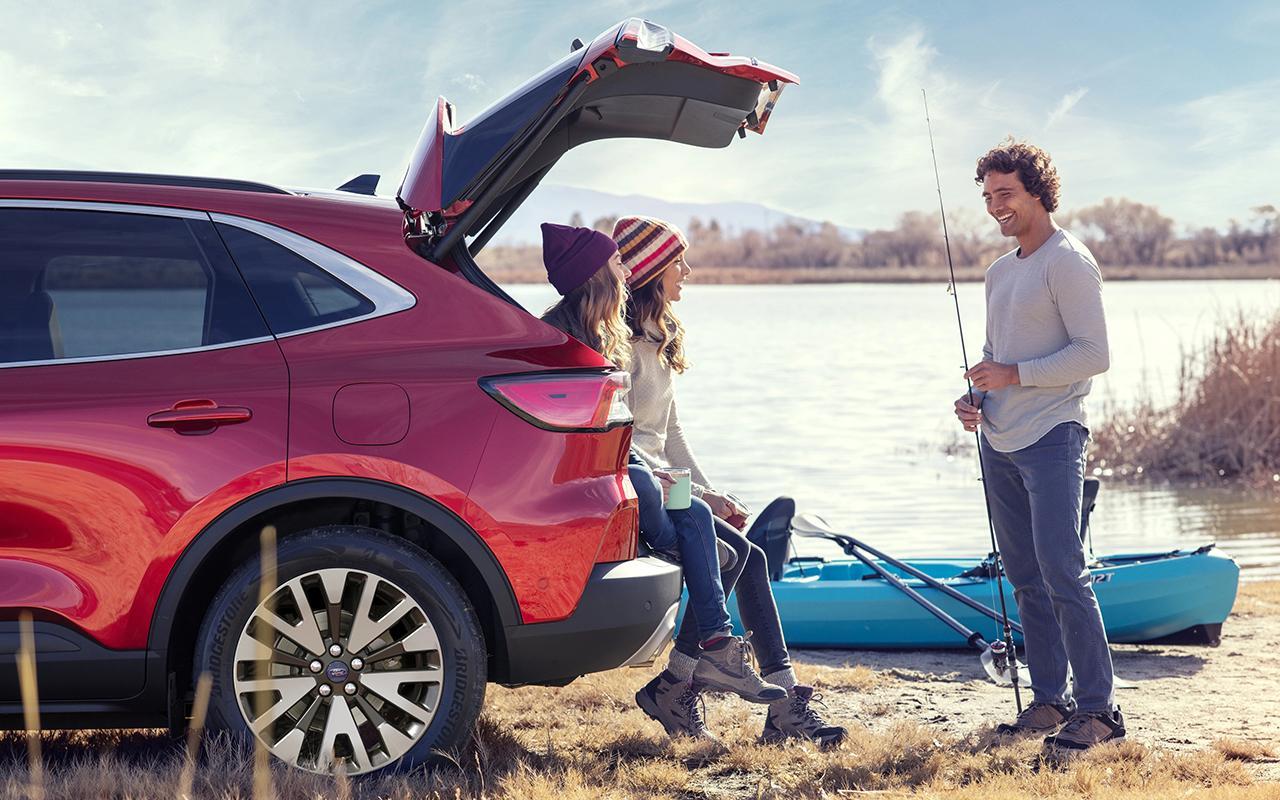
<point x="1144" y="597"/>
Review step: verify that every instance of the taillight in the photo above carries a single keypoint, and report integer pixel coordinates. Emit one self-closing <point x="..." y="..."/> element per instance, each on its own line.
<point x="642" y="40"/>
<point x="565" y="401"/>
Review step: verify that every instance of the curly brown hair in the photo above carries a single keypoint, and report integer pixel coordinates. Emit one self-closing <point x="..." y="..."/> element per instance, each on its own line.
<point x="650" y="316"/>
<point x="1032" y="164"/>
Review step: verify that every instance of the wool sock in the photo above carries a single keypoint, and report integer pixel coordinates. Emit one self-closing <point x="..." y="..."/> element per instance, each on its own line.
<point x="786" y="678"/>
<point x="681" y="665"/>
<point x="713" y="641"/>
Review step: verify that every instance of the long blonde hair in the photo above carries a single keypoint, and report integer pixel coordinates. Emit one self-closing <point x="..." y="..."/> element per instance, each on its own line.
<point x="650" y="316"/>
<point x="592" y="314"/>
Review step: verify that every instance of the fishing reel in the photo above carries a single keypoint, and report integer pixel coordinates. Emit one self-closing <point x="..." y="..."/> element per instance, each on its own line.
<point x="1000" y="664"/>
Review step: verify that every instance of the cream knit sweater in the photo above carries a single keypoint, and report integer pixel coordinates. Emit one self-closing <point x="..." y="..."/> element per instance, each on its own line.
<point x="658" y="438"/>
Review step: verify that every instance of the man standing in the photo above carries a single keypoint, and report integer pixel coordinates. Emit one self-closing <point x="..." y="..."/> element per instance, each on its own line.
<point x="1046" y="338"/>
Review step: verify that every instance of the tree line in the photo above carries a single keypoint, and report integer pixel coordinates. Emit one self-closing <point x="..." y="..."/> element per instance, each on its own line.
<point x="1120" y="232"/>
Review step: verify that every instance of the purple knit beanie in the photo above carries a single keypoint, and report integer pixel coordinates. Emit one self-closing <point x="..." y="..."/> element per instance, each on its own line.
<point x="572" y="255"/>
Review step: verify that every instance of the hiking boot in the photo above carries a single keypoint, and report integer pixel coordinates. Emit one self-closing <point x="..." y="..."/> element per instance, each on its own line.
<point x="675" y="705"/>
<point x="724" y="666"/>
<point x="1036" y="719"/>
<point x="794" y="717"/>
<point x="1086" y="729"/>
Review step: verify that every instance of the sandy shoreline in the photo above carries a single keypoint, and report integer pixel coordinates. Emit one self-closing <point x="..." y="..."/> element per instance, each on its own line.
<point x="1184" y="697"/>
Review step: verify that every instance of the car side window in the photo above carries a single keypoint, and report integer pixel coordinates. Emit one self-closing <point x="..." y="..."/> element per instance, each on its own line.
<point x="80" y="284"/>
<point x="293" y="293"/>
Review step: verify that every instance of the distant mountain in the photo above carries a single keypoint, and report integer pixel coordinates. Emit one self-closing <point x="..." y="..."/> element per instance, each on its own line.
<point x="551" y="203"/>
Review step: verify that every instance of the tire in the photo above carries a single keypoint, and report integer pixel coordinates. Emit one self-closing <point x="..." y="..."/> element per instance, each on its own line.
<point x="413" y="686"/>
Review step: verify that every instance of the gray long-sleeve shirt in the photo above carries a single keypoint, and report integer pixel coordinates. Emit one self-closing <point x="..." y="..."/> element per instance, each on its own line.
<point x="1045" y="314"/>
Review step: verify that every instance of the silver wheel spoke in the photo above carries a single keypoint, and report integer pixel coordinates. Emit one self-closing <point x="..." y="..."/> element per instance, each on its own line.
<point x="289" y="746"/>
<point x="250" y="649"/>
<point x="364" y="630"/>
<point x="387" y="686"/>
<point x="395" y="741"/>
<point x="306" y="633"/>
<point x="341" y="723"/>
<point x="291" y="691"/>
<point x="335" y="581"/>
<point x="423" y="640"/>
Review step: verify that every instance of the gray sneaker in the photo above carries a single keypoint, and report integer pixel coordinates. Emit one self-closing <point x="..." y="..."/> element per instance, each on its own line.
<point x="675" y="705"/>
<point x="794" y="717"/>
<point x="725" y="666"/>
<point x="1086" y="729"/>
<point x="1036" y="719"/>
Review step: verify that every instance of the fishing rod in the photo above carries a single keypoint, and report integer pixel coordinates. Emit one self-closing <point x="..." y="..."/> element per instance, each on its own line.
<point x="982" y="470"/>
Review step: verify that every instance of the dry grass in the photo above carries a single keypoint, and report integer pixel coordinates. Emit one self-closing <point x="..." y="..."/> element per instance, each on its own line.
<point x="1237" y="750"/>
<point x="1258" y="597"/>
<point x="1225" y="424"/>
<point x="588" y="740"/>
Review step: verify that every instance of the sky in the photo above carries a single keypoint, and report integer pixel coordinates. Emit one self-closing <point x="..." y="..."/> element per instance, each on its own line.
<point x="1175" y="104"/>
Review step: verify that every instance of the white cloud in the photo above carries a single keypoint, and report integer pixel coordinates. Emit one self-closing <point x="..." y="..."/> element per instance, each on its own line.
<point x="470" y="81"/>
<point x="1067" y="103"/>
<point x="1234" y="118"/>
<point x="1232" y="154"/>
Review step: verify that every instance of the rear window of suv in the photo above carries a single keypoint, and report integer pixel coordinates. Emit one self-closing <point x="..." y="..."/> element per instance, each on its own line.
<point x="294" y="293"/>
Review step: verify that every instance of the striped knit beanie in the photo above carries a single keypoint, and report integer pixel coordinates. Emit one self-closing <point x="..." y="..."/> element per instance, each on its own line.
<point x="648" y="246"/>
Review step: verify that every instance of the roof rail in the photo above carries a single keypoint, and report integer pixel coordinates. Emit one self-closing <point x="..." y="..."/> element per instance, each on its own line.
<point x="136" y="178"/>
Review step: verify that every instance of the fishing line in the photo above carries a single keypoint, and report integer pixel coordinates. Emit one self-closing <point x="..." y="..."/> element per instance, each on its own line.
<point x="1010" y="652"/>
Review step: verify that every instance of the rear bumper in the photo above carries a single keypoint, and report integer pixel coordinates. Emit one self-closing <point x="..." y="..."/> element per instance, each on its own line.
<point x="626" y="616"/>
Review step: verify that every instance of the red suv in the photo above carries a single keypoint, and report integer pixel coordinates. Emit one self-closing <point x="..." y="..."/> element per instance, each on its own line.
<point x="186" y="362"/>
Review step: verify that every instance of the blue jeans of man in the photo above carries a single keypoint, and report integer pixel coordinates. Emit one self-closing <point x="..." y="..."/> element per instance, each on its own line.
<point x="1035" y="496"/>
<point x="688" y="534"/>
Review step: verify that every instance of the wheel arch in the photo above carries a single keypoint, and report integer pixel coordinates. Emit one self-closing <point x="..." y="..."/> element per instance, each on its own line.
<point x="233" y="536"/>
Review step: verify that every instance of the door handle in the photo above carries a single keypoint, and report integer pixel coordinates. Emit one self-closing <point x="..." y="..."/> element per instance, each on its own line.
<point x="198" y="416"/>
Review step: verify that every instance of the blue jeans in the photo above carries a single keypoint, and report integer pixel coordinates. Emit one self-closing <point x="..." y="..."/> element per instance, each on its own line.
<point x="688" y="534"/>
<point x="1035" y="496"/>
<point x="748" y="580"/>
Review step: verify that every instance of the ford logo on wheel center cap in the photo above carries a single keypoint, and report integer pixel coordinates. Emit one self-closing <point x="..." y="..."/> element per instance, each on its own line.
<point x="336" y="672"/>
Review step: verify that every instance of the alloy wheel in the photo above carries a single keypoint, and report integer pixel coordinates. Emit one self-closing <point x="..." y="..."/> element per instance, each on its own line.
<point x="338" y="666"/>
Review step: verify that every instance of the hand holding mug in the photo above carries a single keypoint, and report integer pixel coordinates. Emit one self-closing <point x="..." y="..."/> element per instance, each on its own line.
<point x="665" y="481"/>
<point x="676" y="487"/>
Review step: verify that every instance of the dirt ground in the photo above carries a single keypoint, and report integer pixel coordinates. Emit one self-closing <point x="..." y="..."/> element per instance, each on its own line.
<point x="1180" y="697"/>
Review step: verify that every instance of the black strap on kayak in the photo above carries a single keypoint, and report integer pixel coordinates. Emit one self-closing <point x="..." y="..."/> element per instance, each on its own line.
<point x="1148" y="557"/>
<point x="982" y="470"/>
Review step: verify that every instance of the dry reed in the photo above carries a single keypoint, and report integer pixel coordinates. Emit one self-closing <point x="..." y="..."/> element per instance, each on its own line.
<point x="266" y="586"/>
<point x="199" y="710"/>
<point x="30" y="705"/>
<point x="1224" y="424"/>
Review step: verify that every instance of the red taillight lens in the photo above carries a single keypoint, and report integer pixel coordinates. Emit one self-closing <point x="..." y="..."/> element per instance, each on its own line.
<point x="573" y="401"/>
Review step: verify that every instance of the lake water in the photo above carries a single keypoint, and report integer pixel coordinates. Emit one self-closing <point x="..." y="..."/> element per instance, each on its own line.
<point x="841" y="395"/>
